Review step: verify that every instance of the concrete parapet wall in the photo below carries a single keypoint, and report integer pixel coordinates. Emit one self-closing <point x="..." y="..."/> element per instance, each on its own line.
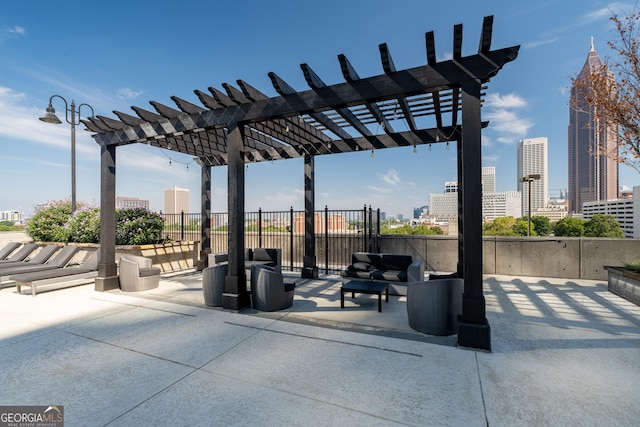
<point x="566" y="257"/>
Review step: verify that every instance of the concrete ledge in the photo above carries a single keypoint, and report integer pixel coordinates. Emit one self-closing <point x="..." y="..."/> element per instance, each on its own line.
<point x="624" y="283"/>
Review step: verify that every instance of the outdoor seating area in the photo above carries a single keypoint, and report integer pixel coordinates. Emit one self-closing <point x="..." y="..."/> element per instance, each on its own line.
<point x="395" y="269"/>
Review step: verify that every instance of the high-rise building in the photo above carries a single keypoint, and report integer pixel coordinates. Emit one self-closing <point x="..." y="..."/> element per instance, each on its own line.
<point x="592" y="175"/>
<point x="532" y="160"/>
<point x="489" y="179"/>
<point x="176" y="200"/>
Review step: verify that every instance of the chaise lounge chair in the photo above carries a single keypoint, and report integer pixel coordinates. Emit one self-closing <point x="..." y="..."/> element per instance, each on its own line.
<point x="8" y="249"/>
<point x="42" y="256"/>
<point x="58" y="278"/>
<point x="59" y="260"/>
<point x="21" y="254"/>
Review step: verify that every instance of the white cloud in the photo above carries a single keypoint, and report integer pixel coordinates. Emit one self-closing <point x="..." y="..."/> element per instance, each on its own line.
<point x="605" y="12"/>
<point x="537" y="43"/>
<point x="391" y="177"/>
<point x="504" y="118"/>
<point x="17" y="30"/>
<point x="510" y="100"/>
<point x="486" y="141"/>
<point x="378" y="190"/>
<point x="127" y="93"/>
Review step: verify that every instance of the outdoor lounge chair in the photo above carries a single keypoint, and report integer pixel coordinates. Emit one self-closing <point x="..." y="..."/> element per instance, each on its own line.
<point x="137" y="273"/>
<point x="21" y="254"/>
<point x="433" y="306"/>
<point x="42" y="256"/>
<point x="268" y="290"/>
<point x="59" y="260"/>
<point x="58" y="278"/>
<point x="8" y="249"/>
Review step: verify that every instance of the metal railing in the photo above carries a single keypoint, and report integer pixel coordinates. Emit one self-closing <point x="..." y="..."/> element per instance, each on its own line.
<point x="338" y="233"/>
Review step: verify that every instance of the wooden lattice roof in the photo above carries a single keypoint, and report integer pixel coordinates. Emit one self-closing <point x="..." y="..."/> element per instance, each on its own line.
<point x="414" y="106"/>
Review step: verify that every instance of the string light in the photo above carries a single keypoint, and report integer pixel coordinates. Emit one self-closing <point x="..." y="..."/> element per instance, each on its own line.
<point x="372" y="154"/>
<point x="415" y="149"/>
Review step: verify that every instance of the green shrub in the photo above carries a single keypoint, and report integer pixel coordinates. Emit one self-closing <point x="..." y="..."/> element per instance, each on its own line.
<point x="56" y="223"/>
<point x="138" y="226"/>
<point x="49" y="223"/>
<point x="84" y="225"/>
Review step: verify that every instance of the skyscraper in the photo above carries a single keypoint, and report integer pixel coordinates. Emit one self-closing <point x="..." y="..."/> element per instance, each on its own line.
<point x="592" y="175"/>
<point x="176" y="200"/>
<point x="532" y="159"/>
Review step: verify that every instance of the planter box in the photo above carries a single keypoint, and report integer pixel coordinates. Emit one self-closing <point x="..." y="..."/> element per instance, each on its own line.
<point x="172" y="256"/>
<point x="624" y="283"/>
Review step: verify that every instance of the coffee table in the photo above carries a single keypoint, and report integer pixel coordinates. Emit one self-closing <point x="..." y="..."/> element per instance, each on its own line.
<point x="365" y="287"/>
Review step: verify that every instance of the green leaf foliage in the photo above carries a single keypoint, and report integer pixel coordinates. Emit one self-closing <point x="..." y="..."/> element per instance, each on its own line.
<point x="601" y="225"/>
<point x="56" y="223"/>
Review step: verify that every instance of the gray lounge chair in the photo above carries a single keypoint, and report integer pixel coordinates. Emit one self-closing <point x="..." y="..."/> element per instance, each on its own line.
<point x="433" y="306"/>
<point x="21" y="254"/>
<point x="268" y="290"/>
<point x="137" y="273"/>
<point x="42" y="256"/>
<point x="59" y="260"/>
<point x="8" y="249"/>
<point x="58" y="278"/>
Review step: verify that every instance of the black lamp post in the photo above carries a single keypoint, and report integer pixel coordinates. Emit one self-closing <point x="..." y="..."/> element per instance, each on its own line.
<point x="529" y="178"/>
<point x="50" y="117"/>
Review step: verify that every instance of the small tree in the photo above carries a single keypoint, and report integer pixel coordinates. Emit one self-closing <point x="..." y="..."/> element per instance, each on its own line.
<point x="501" y="226"/>
<point x="616" y="100"/>
<point x="541" y="225"/>
<point x="569" y="227"/>
<point x="48" y="224"/>
<point x="601" y="225"/>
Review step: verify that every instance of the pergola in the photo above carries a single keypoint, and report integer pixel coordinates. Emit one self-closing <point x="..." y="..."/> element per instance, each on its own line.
<point x="435" y="103"/>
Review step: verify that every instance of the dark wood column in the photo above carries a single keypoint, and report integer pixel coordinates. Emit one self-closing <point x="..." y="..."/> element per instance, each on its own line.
<point x="235" y="296"/>
<point x="309" y="267"/>
<point x="474" y="330"/>
<point x="205" y="212"/>
<point x="107" y="278"/>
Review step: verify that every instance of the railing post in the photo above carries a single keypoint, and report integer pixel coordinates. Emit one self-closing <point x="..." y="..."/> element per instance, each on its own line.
<point x="364" y="230"/>
<point x="378" y="231"/>
<point x="291" y="239"/>
<point x="181" y="225"/>
<point x="370" y="230"/>
<point x="260" y="227"/>
<point x="326" y="240"/>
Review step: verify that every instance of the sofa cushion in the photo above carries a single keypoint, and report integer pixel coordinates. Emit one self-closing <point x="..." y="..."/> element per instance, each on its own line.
<point x="361" y="266"/>
<point x="366" y="275"/>
<point x="396" y="262"/>
<point x="370" y="258"/>
<point x="389" y="275"/>
<point x="264" y="254"/>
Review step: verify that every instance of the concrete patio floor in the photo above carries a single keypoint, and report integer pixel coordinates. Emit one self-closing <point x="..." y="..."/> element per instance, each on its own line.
<point x="565" y="352"/>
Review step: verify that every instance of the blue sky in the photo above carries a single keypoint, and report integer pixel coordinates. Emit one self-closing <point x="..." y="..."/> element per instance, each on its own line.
<point x="122" y="53"/>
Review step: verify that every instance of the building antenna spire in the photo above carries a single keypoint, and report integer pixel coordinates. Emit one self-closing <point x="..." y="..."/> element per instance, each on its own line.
<point x="593" y="49"/>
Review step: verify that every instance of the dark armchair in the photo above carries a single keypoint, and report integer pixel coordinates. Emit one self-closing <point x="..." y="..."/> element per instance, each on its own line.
<point x="268" y="290"/>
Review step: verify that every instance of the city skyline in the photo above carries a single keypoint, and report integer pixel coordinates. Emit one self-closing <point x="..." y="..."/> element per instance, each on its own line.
<point x="528" y="99"/>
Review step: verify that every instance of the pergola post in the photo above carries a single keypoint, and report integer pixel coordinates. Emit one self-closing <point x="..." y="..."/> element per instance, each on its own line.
<point x="107" y="278"/>
<point x="205" y="211"/>
<point x="309" y="267"/>
<point x="235" y="296"/>
<point x="473" y="327"/>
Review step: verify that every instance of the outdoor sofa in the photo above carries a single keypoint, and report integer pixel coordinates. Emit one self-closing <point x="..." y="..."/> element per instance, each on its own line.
<point x="397" y="270"/>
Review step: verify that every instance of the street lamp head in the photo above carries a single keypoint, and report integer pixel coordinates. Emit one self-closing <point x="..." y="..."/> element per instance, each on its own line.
<point x="530" y="177"/>
<point x="50" y="116"/>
